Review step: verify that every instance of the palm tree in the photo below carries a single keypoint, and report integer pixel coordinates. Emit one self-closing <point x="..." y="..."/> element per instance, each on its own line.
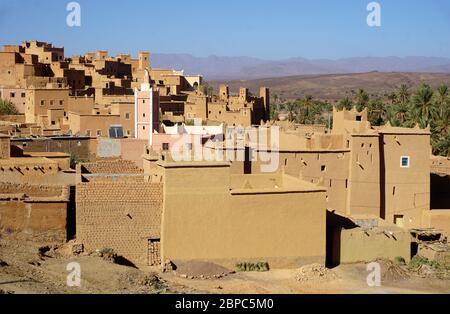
<point x="398" y="114"/>
<point x="307" y="105"/>
<point x="345" y="103"/>
<point x="442" y="98"/>
<point x="361" y="99"/>
<point x="392" y="97"/>
<point x="423" y="105"/>
<point x="441" y="122"/>
<point x="376" y="112"/>
<point x="291" y="109"/>
<point x="403" y="94"/>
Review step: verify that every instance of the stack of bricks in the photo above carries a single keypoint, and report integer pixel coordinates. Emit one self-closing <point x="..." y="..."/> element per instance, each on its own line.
<point x="121" y="215"/>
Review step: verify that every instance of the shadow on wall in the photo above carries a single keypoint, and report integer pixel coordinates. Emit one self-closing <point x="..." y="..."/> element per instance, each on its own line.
<point x="335" y="223"/>
<point x="440" y="185"/>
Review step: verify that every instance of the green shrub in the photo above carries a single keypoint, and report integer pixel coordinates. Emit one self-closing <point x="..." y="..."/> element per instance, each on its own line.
<point x="418" y="261"/>
<point x="7" y="108"/>
<point x="250" y="266"/>
<point x="399" y="260"/>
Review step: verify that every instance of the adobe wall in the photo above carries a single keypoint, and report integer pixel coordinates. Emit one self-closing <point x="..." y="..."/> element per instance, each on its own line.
<point x="407" y="190"/>
<point x="439" y="219"/>
<point x="78" y="147"/>
<point x="359" y="245"/>
<point x="35" y="210"/>
<point x="203" y="220"/>
<point x="120" y="215"/>
<point x="364" y="176"/>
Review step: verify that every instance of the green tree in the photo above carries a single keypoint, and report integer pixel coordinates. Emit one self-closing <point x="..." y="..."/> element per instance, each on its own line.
<point x="442" y="98"/>
<point x="7" y="108"/>
<point x="423" y="105"/>
<point x="345" y="103"/>
<point x="361" y="99"/>
<point x="403" y="94"/>
<point x="376" y="112"/>
<point x="306" y="109"/>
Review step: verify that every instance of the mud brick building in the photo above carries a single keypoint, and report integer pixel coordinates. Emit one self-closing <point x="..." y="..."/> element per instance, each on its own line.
<point x="36" y="210"/>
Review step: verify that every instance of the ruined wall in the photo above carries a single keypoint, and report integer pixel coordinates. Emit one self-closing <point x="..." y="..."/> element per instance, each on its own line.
<point x="439" y="219"/>
<point x="79" y="147"/>
<point x="359" y="245"/>
<point x="120" y="215"/>
<point x="36" y="210"/>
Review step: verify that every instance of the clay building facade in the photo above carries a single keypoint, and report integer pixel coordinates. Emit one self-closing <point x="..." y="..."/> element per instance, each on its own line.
<point x="368" y="172"/>
<point x="184" y="211"/>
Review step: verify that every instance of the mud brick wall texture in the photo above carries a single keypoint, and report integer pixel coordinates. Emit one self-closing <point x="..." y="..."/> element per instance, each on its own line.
<point x="36" y="211"/>
<point x="121" y="215"/>
<point x="111" y="166"/>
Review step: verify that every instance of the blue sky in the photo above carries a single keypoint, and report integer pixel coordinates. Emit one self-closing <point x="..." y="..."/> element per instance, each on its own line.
<point x="268" y="29"/>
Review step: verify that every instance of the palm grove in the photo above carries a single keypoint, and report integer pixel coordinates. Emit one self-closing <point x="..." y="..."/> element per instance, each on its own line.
<point x="403" y="107"/>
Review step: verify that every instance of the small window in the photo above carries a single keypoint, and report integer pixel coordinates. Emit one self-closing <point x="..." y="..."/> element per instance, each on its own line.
<point x="143" y="115"/>
<point x="61" y="102"/>
<point x="165" y="146"/>
<point x="22" y="95"/>
<point x="358" y="118"/>
<point x="99" y="133"/>
<point x="404" y="162"/>
<point x="323" y="168"/>
<point x="42" y="102"/>
<point x="51" y="102"/>
<point x="127" y="116"/>
<point x="12" y="95"/>
<point x="53" y="122"/>
<point x="88" y="132"/>
<point x="399" y="220"/>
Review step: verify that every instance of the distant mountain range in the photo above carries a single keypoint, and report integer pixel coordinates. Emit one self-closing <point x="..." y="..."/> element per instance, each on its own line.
<point x="246" y="68"/>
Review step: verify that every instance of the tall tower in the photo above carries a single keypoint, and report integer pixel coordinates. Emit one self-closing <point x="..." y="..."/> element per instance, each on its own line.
<point x="146" y="110"/>
<point x="144" y="60"/>
<point x="265" y="96"/>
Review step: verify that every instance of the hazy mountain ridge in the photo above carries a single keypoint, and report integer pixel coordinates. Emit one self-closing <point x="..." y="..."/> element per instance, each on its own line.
<point x="227" y="68"/>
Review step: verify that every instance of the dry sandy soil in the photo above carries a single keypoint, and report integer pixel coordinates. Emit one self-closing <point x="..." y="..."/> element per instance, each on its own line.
<point x="24" y="270"/>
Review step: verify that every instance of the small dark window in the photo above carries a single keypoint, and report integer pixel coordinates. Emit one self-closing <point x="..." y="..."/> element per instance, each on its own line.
<point x="165" y="146"/>
<point x="323" y="168"/>
<point x="358" y="118"/>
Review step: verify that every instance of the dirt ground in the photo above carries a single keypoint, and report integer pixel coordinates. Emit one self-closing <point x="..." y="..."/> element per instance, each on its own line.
<point x="24" y="270"/>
